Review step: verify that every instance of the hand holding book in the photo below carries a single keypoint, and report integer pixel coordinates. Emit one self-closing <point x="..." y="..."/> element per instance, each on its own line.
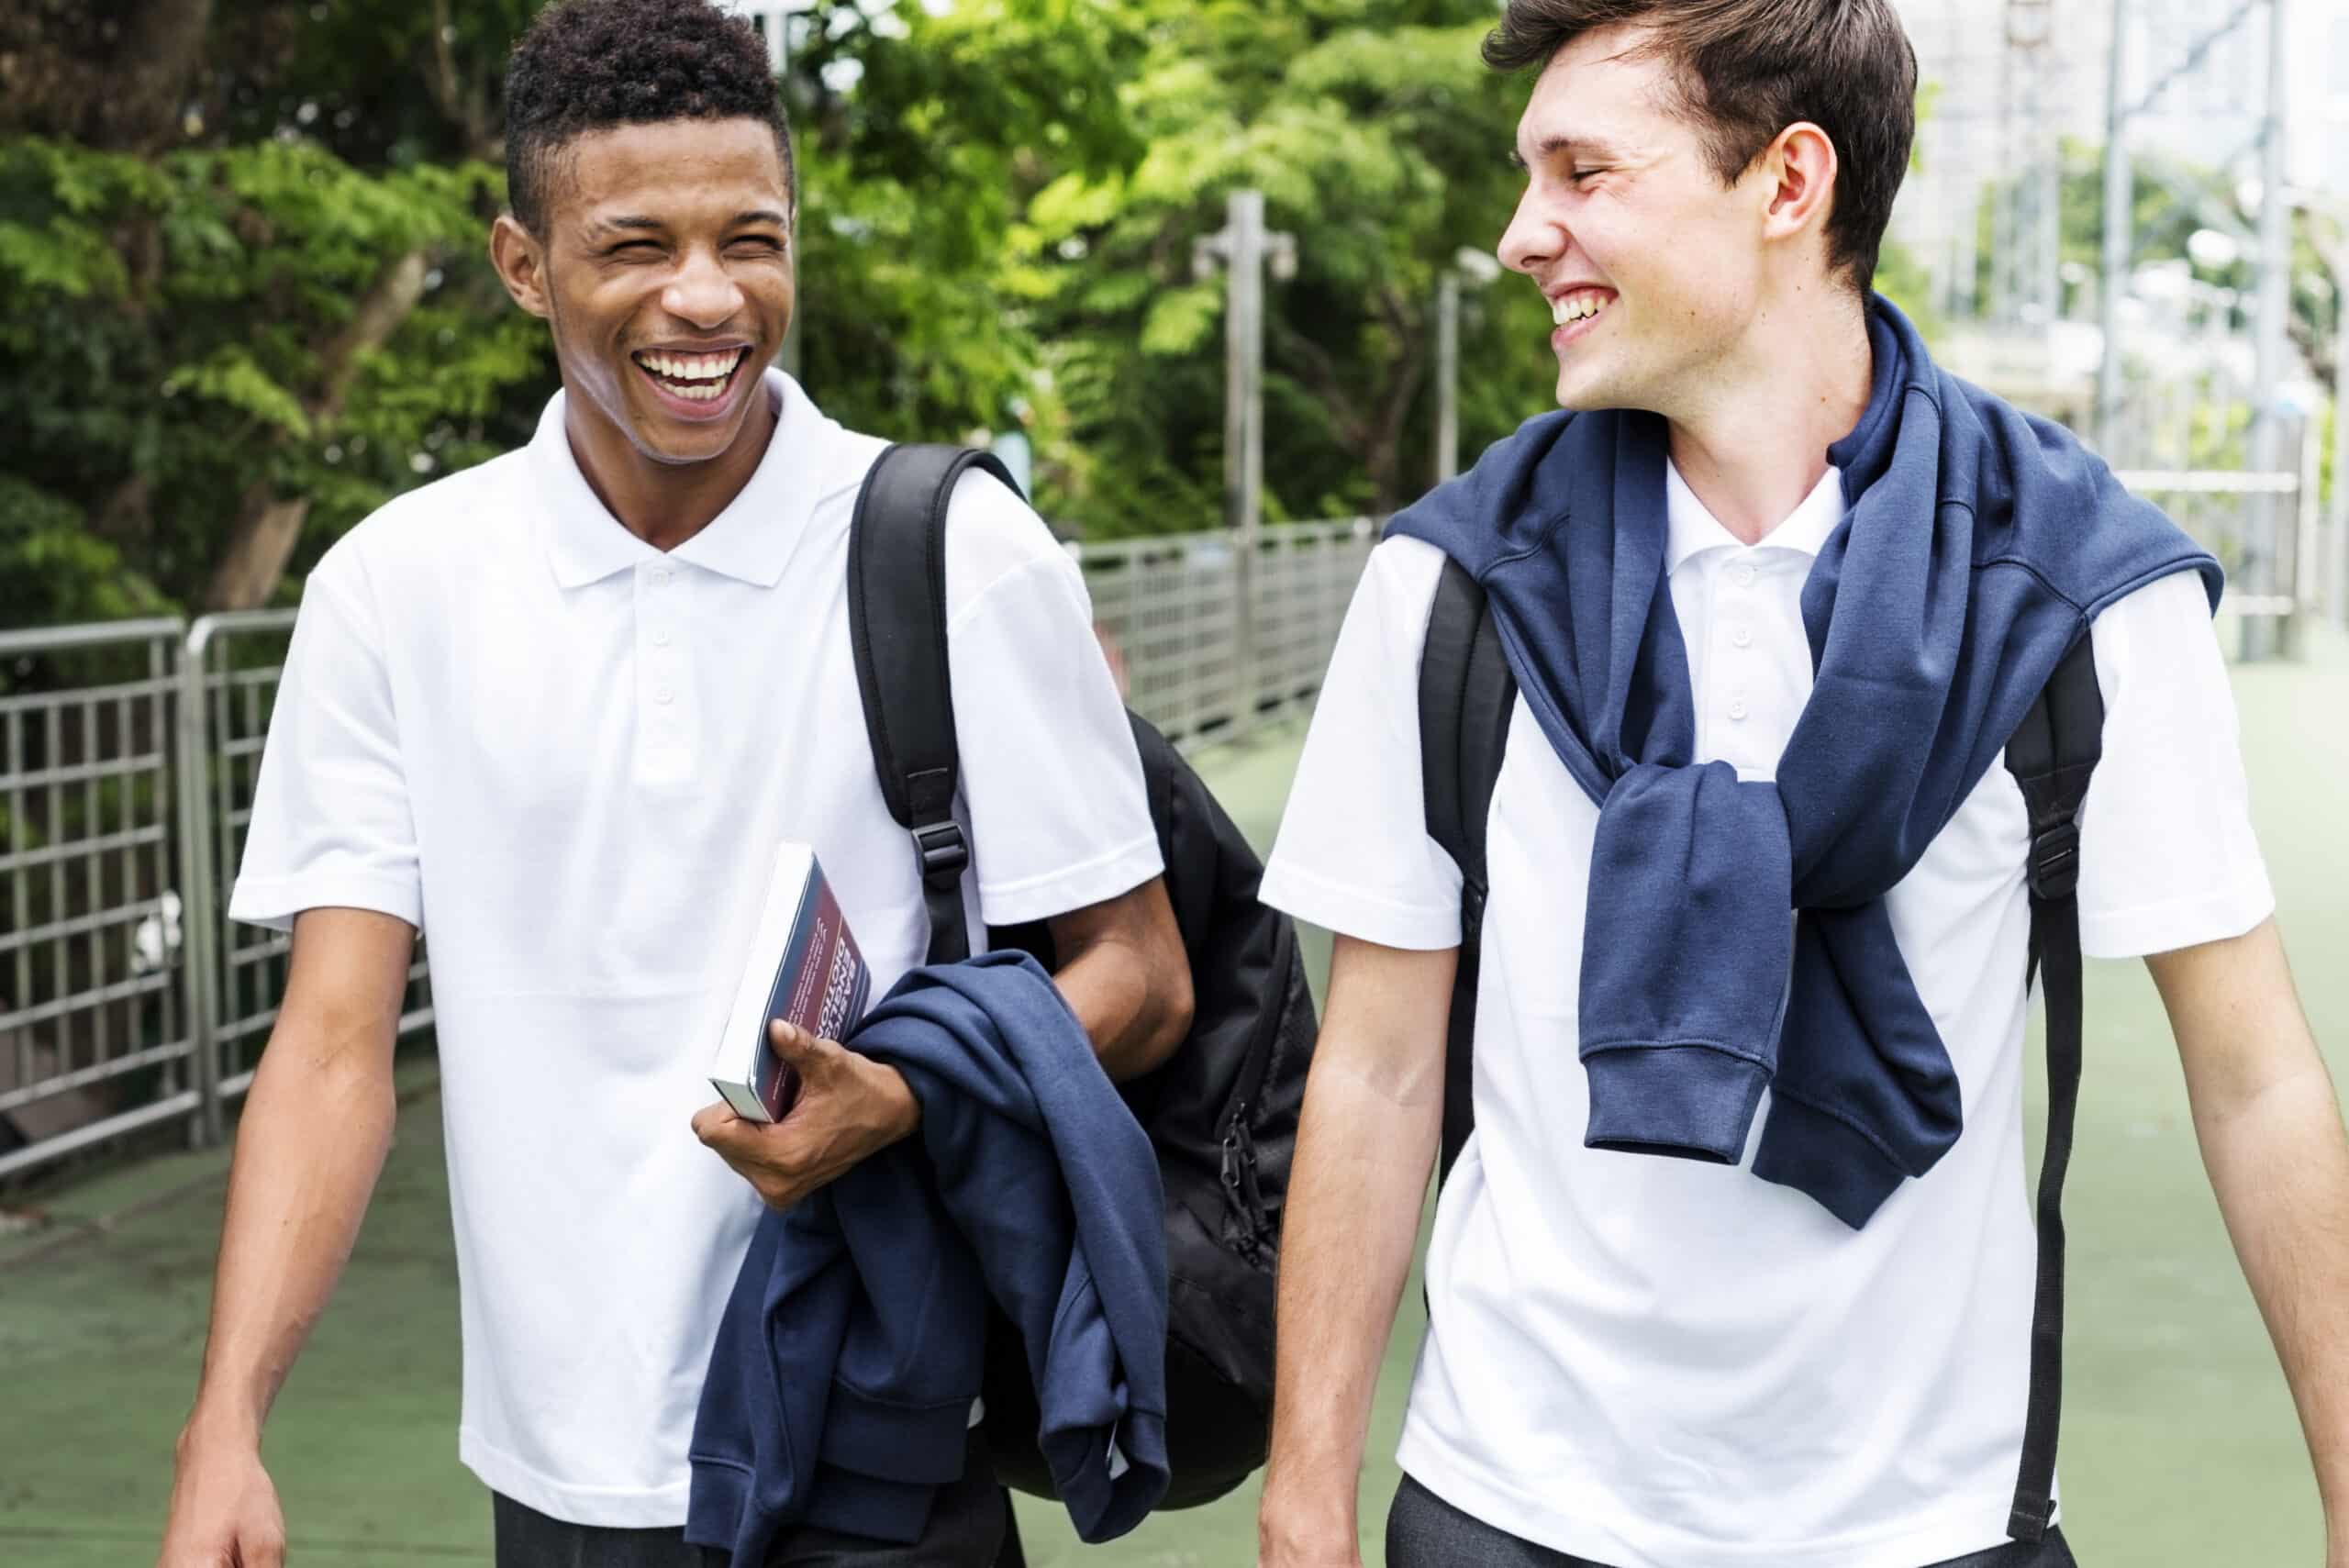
<point x="848" y="1108"/>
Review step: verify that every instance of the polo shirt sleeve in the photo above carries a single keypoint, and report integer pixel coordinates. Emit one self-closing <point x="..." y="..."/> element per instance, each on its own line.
<point x="2167" y="856"/>
<point x="330" y="821"/>
<point x="1353" y="854"/>
<point x="1051" y="779"/>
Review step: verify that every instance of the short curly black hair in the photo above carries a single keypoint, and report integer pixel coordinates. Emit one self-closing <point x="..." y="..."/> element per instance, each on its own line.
<point x="585" y="65"/>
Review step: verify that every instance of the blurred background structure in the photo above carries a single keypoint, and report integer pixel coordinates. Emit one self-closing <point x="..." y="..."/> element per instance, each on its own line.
<point x="1219" y="277"/>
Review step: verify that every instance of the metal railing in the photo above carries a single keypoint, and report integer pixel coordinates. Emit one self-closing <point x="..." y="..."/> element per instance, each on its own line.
<point x="1170" y="606"/>
<point x="129" y="754"/>
<point x="94" y="1032"/>
<point x="2267" y="532"/>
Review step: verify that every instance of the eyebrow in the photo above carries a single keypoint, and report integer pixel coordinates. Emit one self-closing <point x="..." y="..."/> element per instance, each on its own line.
<point x="633" y="221"/>
<point x="1549" y="146"/>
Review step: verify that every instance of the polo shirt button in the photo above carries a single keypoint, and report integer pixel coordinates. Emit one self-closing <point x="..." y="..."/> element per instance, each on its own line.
<point x="660" y="639"/>
<point x="1737" y="710"/>
<point x="1741" y="574"/>
<point x="660" y="576"/>
<point x="663" y="695"/>
<point x="1741" y="637"/>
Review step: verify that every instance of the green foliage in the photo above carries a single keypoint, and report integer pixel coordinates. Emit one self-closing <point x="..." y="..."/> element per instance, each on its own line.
<point x="172" y="332"/>
<point x="1001" y="205"/>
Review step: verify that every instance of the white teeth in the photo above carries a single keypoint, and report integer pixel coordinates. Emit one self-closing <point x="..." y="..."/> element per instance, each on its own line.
<point x="712" y="368"/>
<point x="1577" y="305"/>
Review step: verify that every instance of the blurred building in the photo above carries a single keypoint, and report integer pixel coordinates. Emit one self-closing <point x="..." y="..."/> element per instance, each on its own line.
<point x="2009" y="84"/>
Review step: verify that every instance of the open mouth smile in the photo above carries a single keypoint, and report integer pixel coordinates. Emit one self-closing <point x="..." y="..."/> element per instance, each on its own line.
<point x="1575" y="312"/>
<point x="694" y="384"/>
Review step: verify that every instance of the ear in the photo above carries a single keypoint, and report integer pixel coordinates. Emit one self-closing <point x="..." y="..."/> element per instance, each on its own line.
<point x="1799" y="168"/>
<point x="521" y="263"/>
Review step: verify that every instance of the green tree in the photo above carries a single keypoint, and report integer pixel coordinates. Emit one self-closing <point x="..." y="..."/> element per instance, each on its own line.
<point x="227" y="336"/>
<point x="1380" y="142"/>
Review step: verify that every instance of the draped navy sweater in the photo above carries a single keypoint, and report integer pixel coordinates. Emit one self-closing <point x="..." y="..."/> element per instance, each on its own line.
<point x="1979" y="544"/>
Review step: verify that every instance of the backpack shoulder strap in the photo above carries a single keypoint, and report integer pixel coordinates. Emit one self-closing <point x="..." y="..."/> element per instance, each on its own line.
<point x="2052" y="756"/>
<point x="897" y="621"/>
<point x="1466" y="694"/>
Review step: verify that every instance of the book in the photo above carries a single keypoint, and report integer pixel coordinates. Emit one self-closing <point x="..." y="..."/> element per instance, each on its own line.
<point x="802" y="966"/>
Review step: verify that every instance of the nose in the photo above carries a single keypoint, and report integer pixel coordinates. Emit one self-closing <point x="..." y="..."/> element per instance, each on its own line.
<point x="702" y="290"/>
<point x="1533" y="238"/>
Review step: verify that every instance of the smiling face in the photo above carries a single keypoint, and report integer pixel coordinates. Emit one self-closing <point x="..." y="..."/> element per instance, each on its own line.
<point x="1654" y="270"/>
<point x="665" y="273"/>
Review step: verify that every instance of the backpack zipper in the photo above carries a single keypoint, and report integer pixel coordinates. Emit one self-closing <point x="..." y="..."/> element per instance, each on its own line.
<point x="1246" y="1224"/>
<point x="1245" y="1220"/>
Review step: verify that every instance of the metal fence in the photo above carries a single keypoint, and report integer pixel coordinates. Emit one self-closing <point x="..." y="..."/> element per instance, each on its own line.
<point x="1170" y="607"/>
<point x="94" y="1030"/>
<point x="129" y="754"/>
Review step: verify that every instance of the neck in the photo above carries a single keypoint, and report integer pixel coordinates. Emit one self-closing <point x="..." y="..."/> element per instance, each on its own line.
<point x="664" y="504"/>
<point x="1757" y="445"/>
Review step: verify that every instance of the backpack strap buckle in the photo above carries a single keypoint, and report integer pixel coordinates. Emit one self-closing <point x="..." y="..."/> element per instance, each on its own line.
<point x="2054" y="863"/>
<point x="942" y="851"/>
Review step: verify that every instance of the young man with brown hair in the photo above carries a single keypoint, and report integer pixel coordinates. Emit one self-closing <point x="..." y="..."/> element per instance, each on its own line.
<point x="1774" y="591"/>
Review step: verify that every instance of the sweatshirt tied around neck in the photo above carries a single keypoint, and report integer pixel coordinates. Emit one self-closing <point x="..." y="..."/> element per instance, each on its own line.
<point x="1977" y="544"/>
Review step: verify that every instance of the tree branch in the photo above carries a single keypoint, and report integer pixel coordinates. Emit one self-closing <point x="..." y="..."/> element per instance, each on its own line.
<point x="113" y="77"/>
<point x="466" y="106"/>
<point x="1320" y="372"/>
<point x="267" y="528"/>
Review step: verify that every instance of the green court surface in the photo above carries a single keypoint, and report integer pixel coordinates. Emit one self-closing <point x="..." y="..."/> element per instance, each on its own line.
<point x="2180" y="1448"/>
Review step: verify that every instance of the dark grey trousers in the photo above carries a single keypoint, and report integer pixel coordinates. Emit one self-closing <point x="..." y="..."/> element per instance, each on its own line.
<point x="1425" y="1531"/>
<point x="967" y="1528"/>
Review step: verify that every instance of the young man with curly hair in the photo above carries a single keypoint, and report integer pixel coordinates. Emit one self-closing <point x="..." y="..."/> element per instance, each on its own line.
<point x="1735" y="1270"/>
<point x="557" y="709"/>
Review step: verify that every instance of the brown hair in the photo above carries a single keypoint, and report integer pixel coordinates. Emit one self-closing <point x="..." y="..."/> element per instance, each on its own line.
<point x="1747" y="69"/>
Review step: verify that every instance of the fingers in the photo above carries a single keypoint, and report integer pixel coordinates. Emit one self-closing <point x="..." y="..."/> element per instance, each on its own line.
<point x="797" y="1047"/>
<point x="713" y="1121"/>
<point x="751" y="1149"/>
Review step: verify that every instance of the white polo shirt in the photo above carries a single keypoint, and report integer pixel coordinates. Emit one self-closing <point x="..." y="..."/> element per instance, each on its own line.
<point x="1658" y="1364"/>
<point x="568" y="758"/>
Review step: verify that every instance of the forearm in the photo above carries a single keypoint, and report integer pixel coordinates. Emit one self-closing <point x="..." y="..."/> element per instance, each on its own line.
<point x="2269" y="1124"/>
<point x="2279" y="1164"/>
<point x="315" y="1128"/>
<point x="1364" y="1149"/>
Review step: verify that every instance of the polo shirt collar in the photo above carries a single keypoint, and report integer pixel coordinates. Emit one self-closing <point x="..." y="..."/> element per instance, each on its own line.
<point x="1691" y="529"/>
<point x="751" y="541"/>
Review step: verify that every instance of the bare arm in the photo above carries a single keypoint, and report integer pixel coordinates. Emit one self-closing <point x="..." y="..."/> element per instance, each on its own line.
<point x="309" y="1146"/>
<point x="1373" y="1114"/>
<point x="2270" y="1128"/>
<point x="1124" y="974"/>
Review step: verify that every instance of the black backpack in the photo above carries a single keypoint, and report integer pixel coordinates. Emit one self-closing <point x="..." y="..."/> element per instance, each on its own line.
<point x="1466" y="694"/>
<point x="1222" y="1111"/>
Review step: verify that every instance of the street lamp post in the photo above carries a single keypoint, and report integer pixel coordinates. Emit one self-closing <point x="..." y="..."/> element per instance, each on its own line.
<point x="1245" y="248"/>
<point x="773" y="18"/>
<point x="2268" y="347"/>
<point x="1478" y="267"/>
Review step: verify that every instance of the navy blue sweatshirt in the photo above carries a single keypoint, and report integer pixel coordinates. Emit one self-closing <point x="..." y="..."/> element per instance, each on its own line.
<point x="1977" y="545"/>
<point x="850" y="1354"/>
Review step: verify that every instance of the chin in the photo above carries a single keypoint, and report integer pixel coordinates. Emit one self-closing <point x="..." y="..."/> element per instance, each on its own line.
<point x="1586" y="395"/>
<point x="674" y="441"/>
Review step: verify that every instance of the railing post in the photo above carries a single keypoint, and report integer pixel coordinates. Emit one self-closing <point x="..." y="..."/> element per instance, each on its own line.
<point x="2306" y="538"/>
<point x="199" y="949"/>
